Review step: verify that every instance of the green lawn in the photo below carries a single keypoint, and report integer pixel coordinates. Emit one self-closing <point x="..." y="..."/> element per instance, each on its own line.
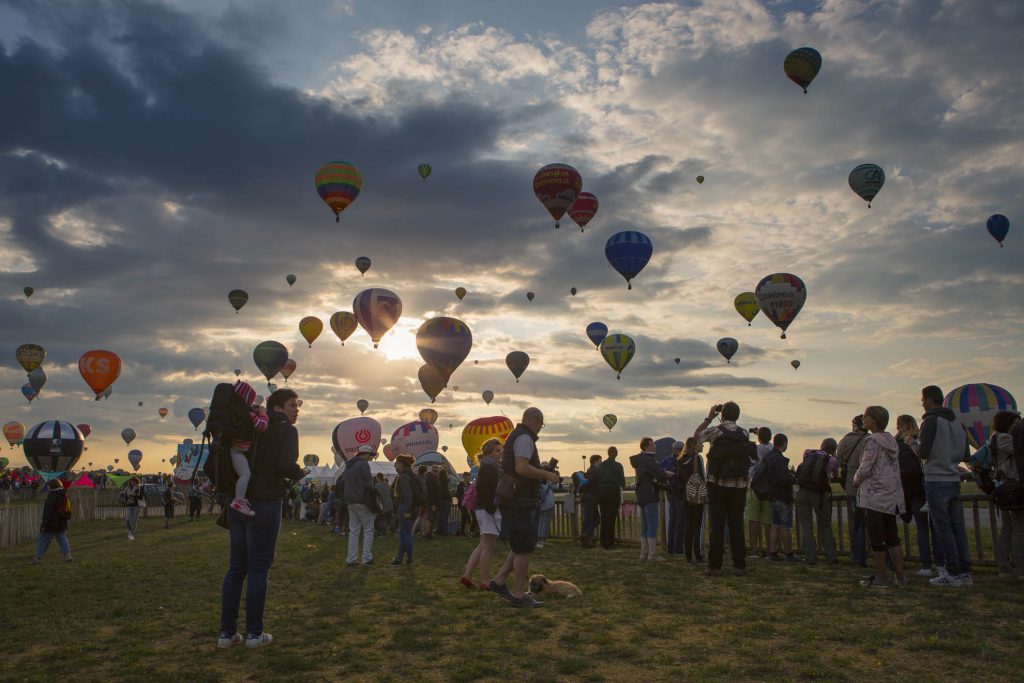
<point x="149" y="611"/>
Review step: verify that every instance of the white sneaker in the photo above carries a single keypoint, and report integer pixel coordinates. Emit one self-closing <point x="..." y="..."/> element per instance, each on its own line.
<point x="924" y="508"/>
<point x="260" y="640"/>
<point x="131" y="537"/>
<point x="966" y="580"/>
<point x="945" y="580"/>
<point x="924" y="571"/>
<point x="224" y="643"/>
<point x="941" y="571"/>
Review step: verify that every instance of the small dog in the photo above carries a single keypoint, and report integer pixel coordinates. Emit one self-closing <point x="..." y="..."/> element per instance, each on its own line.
<point x="541" y="586"/>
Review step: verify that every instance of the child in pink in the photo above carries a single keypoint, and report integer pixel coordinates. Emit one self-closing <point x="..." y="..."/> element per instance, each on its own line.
<point x="239" y="448"/>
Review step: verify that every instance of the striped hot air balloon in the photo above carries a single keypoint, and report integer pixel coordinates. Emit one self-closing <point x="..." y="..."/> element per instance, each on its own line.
<point x="618" y="350"/>
<point x="53" y="447"/>
<point x="628" y="252"/>
<point x="338" y="183"/>
<point x="975" y="405"/>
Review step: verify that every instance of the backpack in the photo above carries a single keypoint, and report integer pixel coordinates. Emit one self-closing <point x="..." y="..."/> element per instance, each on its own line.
<point x="229" y="420"/>
<point x="1007" y="494"/>
<point x="469" y="497"/>
<point x="419" y="496"/>
<point x="760" y="482"/>
<point x="64" y="507"/>
<point x="731" y="455"/>
<point x="812" y="474"/>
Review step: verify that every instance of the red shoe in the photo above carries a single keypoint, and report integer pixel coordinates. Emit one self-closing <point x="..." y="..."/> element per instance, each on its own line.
<point x="484" y="587"/>
<point x="466" y="581"/>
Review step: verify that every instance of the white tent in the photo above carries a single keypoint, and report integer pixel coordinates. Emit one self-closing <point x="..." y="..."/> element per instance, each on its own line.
<point x="323" y="474"/>
<point x="385" y="467"/>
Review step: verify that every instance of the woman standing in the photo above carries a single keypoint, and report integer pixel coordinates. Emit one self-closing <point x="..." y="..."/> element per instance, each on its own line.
<point x="488" y="517"/>
<point x="647" y="473"/>
<point x="880" y="494"/>
<point x="912" y="479"/>
<point x="1010" y="547"/>
<point x="691" y="463"/>
<point x="405" y="508"/>
<point x="56" y="513"/>
<point x="134" y="498"/>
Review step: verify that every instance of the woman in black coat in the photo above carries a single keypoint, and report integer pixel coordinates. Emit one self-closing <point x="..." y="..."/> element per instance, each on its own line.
<point x="56" y="513"/>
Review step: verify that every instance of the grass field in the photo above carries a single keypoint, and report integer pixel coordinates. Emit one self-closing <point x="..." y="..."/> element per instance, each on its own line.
<point x="149" y="611"/>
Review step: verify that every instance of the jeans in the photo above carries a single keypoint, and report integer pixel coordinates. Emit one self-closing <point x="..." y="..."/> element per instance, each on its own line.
<point x="591" y="515"/>
<point x="131" y="519"/>
<point x="1010" y="547"/>
<point x="544" y="523"/>
<point x="649" y="520"/>
<point x="693" y="543"/>
<point x="251" y="552"/>
<point x="404" y="538"/>
<point x="858" y="532"/>
<point x="947" y="515"/>
<point x="383" y="523"/>
<point x="443" y="511"/>
<point x="927" y="543"/>
<point x="43" y="542"/>
<point x="195" y="507"/>
<point x="360" y="519"/>
<point x="725" y="507"/>
<point x="818" y="504"/>
<point x="676" y="525"/>
<point x="608" y="502"/>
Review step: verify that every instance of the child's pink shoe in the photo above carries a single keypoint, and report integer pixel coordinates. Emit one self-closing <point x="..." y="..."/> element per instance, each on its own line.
<point x="242" y="505"/>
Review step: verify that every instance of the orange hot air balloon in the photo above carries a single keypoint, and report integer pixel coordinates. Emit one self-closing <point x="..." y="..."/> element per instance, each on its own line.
<point x="100" y="369"/>
<point x="162" y="412"/>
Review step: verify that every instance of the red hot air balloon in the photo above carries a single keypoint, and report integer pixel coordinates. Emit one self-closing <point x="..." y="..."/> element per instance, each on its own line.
<point x="583" y="209"/>
<point x="556" y="187"/>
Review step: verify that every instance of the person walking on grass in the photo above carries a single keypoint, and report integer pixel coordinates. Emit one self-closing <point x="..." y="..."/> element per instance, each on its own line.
<point x="252" y="540"/>
<point x="521" y="462"/>
<point x="487" y="516"/>
<point x="758" y="513"/>
<point x="405" y="508"/>
<point x="54" y="525"/>
<point x="880" y="494"/>
<point x="814" y="498"/>
<point x="648" y="475"/>
<point x="848" y="456"/>
<point x="781" y="481"/>
<point x="611" y="481"/>
<point x="358" y="489"/>
<point x="134" y="499"/>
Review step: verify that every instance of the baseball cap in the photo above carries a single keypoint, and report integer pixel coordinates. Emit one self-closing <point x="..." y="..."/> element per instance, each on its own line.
<point x="365" y="448"/>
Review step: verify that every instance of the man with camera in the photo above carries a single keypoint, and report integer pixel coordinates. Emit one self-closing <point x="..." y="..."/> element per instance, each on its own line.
<point x="729" y="461"/>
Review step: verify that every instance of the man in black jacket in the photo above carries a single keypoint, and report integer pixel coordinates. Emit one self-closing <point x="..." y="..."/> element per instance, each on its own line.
<point x="358" y="492"/>
<point x="591" y="511"/>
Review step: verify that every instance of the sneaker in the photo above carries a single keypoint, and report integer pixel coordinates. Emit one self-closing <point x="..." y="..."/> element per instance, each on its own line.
<point x="945" y="580"/>
<point x="260" y="640"/>
<point x="941" y="571"/>
<point x="775" y="557"/>
<point x="368" y="562"/>
<point x="791" y="558"/>
<point x="466" y="581"/>
<point x="225" y="641"/>
<point x="754" y="556"/>
<point x="68" y="558"/>
<point x="540" y="544"/>
<point x="966" y="580"/>
<point x="924" y="571"/>
<point x="874" y="582"/>
<point x="131" y="537"/>
<point x="500" y="589"/>
<point x="242" y="505"/>
<point x="525" y="601"/>
<point x="924" y="508"/>
<point x="36" y="560"/>
<point x="351" y="564"/>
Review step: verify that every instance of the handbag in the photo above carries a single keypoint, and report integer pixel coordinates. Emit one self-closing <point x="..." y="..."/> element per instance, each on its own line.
<point x="696" y="488"/>
<point x="373" y="501"/>
<point x="222" y="518"/>
<point x="506" y="488"/>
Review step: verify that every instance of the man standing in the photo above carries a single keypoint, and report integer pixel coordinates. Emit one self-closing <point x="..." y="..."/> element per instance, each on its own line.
<point x="358" y="489"/>
<point x="781" y="480"/>
<point x="729" y="462"/>
<point x="195" y="501"/>
<point x="609" y="496"/>
<point x="943" y="444"/>
<point x="814" y="495"/>
<point x="758" y="513"/>
<point x="851" y="447"/>
<point x="444" y="500"/>
<point x="520" y="460"/>
<point x="589" y="492"/>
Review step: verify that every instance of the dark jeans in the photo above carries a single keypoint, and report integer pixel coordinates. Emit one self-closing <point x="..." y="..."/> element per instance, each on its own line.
<point x="404" y="538"/>
<point x="947" y="513"/>
<point x="251" y="552"/>
<point x="442" y="518"/>
<point x="383" y="523"/>
<point x="819" y="505"/>
<point x="927" y="544"/>
<point x="591" y="515"/>
<point x="858" y="533"/>
<point x="465" y="520"/>
<point x="195" y="507"/>
<point x="608" y="503"/>
<point x="691" y="538"/>
<point x="676" y="525"/>
<point x="725" y="507"/>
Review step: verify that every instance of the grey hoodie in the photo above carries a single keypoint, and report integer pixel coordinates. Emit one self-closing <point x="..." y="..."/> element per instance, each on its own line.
<point x="943" y="444"/>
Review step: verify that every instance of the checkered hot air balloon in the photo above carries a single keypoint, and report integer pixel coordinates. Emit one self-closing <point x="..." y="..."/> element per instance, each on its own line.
<point x="53" y="447"/>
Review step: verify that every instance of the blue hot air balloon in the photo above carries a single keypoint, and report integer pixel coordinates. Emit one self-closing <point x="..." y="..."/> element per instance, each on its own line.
<point x="998" y="226"/>
<point x="628" y="252"/>
<point x="196" y="417"/>
<point x="597" y="332"/>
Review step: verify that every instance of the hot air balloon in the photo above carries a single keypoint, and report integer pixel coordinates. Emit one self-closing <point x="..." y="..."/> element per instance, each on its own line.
<point x="14" y="432"/>
<point x="481" y="430"/>
<point x="288" y="368"/>
<point x="517" y="362"/>
<point x="795" y="364"/>
<point x="4" y="462"/>
<point x="781" y="296"/>
<point x="128" y="434"/>
<point x="52" y="447"/>
<point x="362" y="404"/>
<point x="583" y="209"/>
<point x="344" y="324"/>
<point x="349" y="435"/>
<point x="414" y="438"/>
<point x="460" y="292"/>
<point x="432" y="381"/>
<point x="28" y="292"/>
<point x="238" y="372"/>
<point x="529" y="296"/>
<point x="866" y="180"/>
<point x="162" y="412"/>
<point x="556" y="187"/>
<point x="271" y="387"/>
<point x="28" y="392"/>
<point x="423" y="170"/>
<point x="338" y="183"/>
<point x="677" y="360"/>
<point x="389" y="452"/>
<point x="998" y="226"/>
<point x="30" y="356"/>
<point x="37" y="378"/>
<point x="140" y="404"/>
<point x="596" y="332"/>
<point x="237" y="298"/>
<point x="196" y="417"/>
<point x="609" y="421"/>
<point x="975" y="405"/>
<point x="290" y="279"/>
<point x="628" y="252"/>
<point x="572" y="291"/>
<point x="802" y="65"/>
<point x="310" y="460"/>
<point x="110" y="468"/>
<point x="85" y="429"/>
<point x="618" y="350"/>
<point x="100" y="369"/>
<point x="700" y="180"/>
<point x="444" y="343"/>
<point x="135" y="457"/>
<point x="310" y="328"/>
<point x="746" y="305"/>
<point x="377" y="310"/>
<point x="270" y="357"/>
<point x="428" y="415"/>
<point x="362" y="264"/>
<point x="727" y="346"/>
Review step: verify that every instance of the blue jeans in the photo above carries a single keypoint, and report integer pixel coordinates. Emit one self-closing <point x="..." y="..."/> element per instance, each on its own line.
<point x="591" y="515"/>
<point x="43" y="542"/>
<point x="947" y="515"/>
<point x="649" y="520"/>
<point x="404" y="538"/>
<point x="927" y="542"/>
<point x="858" y="532"/>
<point x="252" y="543"/>
<point x="676" y="525"/>
<point x="443" y="512"/>
<point x="544" y="523"/>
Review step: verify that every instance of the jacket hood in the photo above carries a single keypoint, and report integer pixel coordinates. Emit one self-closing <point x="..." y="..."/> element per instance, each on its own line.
<point x="887" y="441"/>
<point x="946" y="413"/>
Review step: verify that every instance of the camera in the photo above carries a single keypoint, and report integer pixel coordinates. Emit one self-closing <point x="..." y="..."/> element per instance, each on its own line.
<point x="551" y="466"/>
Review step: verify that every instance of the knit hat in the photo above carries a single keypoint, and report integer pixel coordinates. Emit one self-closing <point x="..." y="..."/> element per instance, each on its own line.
<point x="245" y="390"/>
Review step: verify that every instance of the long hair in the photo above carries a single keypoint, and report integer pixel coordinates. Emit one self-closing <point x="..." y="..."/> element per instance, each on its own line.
<point x="906" y="426"/>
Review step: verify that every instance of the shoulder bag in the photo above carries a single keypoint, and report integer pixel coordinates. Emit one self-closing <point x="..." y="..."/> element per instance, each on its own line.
<point x="696" y="488"/>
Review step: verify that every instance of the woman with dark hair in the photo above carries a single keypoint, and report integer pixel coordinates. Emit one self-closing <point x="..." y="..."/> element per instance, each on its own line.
<point x="488" y="516"/>
<point x="880" y="493"/>
<point x="912" y="479"/>
<point x="1010" y="546"/>
<point x="691" y="463"/>
<point x="56" y="513"/>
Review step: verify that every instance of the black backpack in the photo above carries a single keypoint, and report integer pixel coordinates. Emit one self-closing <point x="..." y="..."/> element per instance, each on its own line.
<point x="419" y="496"/>
<point x="731" y="455"/>
<point x="229" y="420"/>
<point x="812" y="473"/>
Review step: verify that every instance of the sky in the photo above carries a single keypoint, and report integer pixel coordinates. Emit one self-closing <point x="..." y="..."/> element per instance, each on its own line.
<point x="155" y="155"/>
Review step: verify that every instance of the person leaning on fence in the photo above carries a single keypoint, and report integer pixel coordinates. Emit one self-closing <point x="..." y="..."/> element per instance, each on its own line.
<point x="814" y="498"/>
<point x="54" y="524"/>
<point x="611" y="481"/>
<point x="1009" y="464"/>
<point x="588" y="493"/>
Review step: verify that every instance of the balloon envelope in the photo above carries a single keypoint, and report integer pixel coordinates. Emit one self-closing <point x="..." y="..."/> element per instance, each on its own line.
<point x="444" y="343"/>
<point x="362" y="404"/>
<point x="290" y="279"/>
<point x="128" y="434"/>
<point x="556" y="187"/>
<point x="975" y="405"/>
<point x="377" y="310"/>
<point x="99" y="369"/>
<point x="802" y="65"/>
<point x="338" y="183"/>
<point x="795" y="364"/>
<point x="344" y="324"/>
<point x="428" y="415"/>
<point x="238" y="298"/>
<point x="998" y="226"/>
<point x="460" y="292"/>
<point x="596" y="332"/>
<point x="432" y="381"/>
<point x="30" y="356"/>
<point x="310" y="460"/>
<point x="746" y="305"/>
<point x="781" y="296"/>
<point x="135" y="457"/>
<point x="85" y="429"/>
<point x="288" y="368"/>
<point x="482" y="429"/>
<point x="162" y="412"/>
<point x="310" y="328"/>
<point x="28" y="292"/>
<point x="583" y="209"/>
<point x="727" y="346"/>
<point x="14" y="432"/>
<point x="609" y="421"/>
<point x="363" y="264"/>
<point x="618" y="350"/>
<point x="28" y="392"/>
<point x="628" y="252"/>
<point x="530" y="295"/>
<point x="488" y="396"/>
<point x="866" y="180"/>
<point x="423" y="170"/>
<point x="196" y="417"/>
<point x="270" y="356"/>
<point x="53" y="447"/>
<point x="37" y="378"/>
<point x="517" y="362"/>
<point x="414" y="438"/>
<point x="349" y="435"/>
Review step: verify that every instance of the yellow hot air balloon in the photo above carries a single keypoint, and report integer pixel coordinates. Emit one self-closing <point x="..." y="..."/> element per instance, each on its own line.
<point x="618" y="350"/>
<point x="30" y="356"/>
<point x="460" y="292"/>
<point x="746" y="306"/>
<point x="344" y="324"/>
<point x="310" y="327"/>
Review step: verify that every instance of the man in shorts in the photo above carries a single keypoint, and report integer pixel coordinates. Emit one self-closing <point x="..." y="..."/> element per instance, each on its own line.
<point x="520" y="459"/>
<point x="758" y="513"/>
